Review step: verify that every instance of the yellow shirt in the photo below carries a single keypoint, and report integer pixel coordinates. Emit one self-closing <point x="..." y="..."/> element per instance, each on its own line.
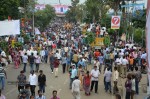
<point x="75" y="58"/>
<point x="111" y="56"/>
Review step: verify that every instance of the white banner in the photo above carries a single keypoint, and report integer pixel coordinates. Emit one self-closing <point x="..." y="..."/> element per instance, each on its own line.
<point x="37" y="31"/>
<point x="115" y="22"/>
<point x="9" y="27"/>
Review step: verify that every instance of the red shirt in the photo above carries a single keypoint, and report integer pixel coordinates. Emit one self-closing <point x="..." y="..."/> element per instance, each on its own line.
<point x="56" y="64"/>
<point x="87" y="80"/>
<point x="97" y="54"/>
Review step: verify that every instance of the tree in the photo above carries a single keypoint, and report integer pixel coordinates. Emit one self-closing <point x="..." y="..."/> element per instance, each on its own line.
<point x="139" y="22"/>
<point x="92" y="10"/>
<point x="139" y="36"/>
<point x="43" y="17"/>
<point x="114" y="4"/>
<point x="71" y="14"/>
<point x="9" y="8"/>
<point x="90" y="37"/>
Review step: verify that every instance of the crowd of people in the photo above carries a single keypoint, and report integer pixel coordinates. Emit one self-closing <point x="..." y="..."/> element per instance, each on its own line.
<point x="63" y="45"/>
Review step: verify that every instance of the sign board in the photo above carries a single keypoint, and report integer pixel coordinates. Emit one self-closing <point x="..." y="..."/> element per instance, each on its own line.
<point x="61" y="9"/>
<point x="98" y="42"/>
<point x="9" y="27"/>
<point x="115" y="22"/>
<point x="40" y="6"/>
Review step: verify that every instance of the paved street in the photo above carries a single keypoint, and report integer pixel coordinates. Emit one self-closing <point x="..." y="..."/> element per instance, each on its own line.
<point x="61" y="84"/>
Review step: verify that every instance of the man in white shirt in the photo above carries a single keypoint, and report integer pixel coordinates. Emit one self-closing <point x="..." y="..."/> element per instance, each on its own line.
<point x="97" y="63"/>
<point x="25" y="61"/>
<point x="118" y="65"/>
<point x="42" y="54"/>
<point x="33" y="81"/>
<point x="124" y="62"/>
<point x="35" y="52"/>
<point x="58" y="55"/>
<point x="95" y="75"/>
<point x="107" y="76"/>
<point x="76" y="85"/>
<point x="29" y="52"/>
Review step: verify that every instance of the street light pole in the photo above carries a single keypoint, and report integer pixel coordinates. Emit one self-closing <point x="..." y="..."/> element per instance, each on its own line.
<point x="33" y="17"/>
<point x="59" y="2"/>
<point x="33" y="23"/>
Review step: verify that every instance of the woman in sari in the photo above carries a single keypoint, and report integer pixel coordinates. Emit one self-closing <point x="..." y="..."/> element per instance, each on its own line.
<point x="86" y="83"/>
<point x="16" y="60"/>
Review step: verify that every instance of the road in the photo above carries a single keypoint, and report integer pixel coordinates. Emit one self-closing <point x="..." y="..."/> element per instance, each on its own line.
<point x="61" y="84"/>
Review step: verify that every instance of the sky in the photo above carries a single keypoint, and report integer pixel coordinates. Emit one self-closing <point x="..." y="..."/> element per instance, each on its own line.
<point x="53" y="2"/>
<point x="68" y="2"/>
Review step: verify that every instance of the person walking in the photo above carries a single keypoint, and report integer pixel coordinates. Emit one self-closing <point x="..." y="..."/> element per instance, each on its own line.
<point x="16" y="60"/>
<point x="115" y="79"/>
<point x="133" y="87"/>
<point x="124" y="67"/>
<point x="118" y="96"/>
<point x="128" y="86"/>
<point x="73" y="74"/>
<point x="64" y="63"/>
<point x="42" y="81"/>
<point x="40" y="95"/>
<point x="138" y="77"/>
<point x="31" y="61"/>
<point x="87" y="83"/>
<point x="56" y="65"/>
<point x="76" y="84"/>
<point x="54" y="95"/>
<point x="33" y="82"/>
<point x="46" y="55"/>
<point x="108" y="75"/>
<point x="42" y="54"/>
<point x="1" y="95"/>
<point x="101" y="61"/>
<point x="25" y="61"/>
<point x="94" y="80"/>
<point x="118" y="64"/>
<point x="21" y="81"/>
<point x="37" y="62"/>
<point x="51" y="60"/>
<point x="3" y="76"/>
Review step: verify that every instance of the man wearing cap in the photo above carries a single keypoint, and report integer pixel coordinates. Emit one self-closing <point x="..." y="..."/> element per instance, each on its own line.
<point x="94" y="81"/>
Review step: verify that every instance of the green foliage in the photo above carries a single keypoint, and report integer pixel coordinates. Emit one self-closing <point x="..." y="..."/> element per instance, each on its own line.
<point x="71" y="15"/>
<point x="139" y="35"/>
<point x="26" y="38"/>
<point x="139" y="22"/>
<point x="106" y="21"/>
<point x="90" y="37"/>
<point x="110" y="31"/>
<point x="18" y="44"/>
<point x="92" y="9"/>
<point x="9" y="8"/>
<point x="43" y="17"/>
<point x="4" y="46"/>
<point x="23" y="3"/>
<point x="106" y="40"/>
